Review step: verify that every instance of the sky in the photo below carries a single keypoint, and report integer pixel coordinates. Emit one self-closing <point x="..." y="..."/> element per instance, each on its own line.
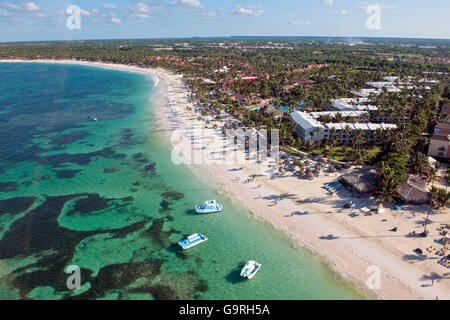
<point x="41" y="20"/>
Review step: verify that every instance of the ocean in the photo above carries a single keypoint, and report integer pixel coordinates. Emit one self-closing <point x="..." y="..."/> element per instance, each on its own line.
<point x="105" y="197"/>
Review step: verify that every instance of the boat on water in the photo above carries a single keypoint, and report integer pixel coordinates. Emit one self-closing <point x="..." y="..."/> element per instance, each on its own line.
<point x="210" y="206"/>
<point x="93" y="118"/>
<point x="250" y="269"/>
<point x="192" y="241"/>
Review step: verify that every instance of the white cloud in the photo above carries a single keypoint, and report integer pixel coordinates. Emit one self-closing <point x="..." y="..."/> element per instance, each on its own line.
<point x="140" y="15"/>
<point x="31" y="6"/>
<point x="143" y="11"/>
<point x="109" y="6"/>
<point x="343" y="11"/>
<point x="11" y="6"/>
<point x="187" y="3"/>
<point x="25" y="6"/>
<point x="4" y="13"/>
<point x="116" y="21"/>
<point x="142" y="8"/>
<point x="254" y="11"/>
<point x="329" y="2"/>
<point x="41" y="15"/>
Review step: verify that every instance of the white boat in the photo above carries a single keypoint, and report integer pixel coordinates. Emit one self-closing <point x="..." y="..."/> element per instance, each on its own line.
<point x="192" y="241"/>
<point x="250" y="269"/>
<point x="210" y="206"/>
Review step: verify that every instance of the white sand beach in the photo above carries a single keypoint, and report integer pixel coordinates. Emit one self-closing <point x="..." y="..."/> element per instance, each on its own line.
<point x="349" y="241"/>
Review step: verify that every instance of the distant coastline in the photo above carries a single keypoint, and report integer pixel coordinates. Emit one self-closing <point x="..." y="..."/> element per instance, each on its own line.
<point x="242" y="37"/>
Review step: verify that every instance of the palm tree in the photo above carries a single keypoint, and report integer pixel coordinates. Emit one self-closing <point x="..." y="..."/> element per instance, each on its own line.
<point x="432" y="176"/>
<point x="440" y="197"/>
<point x="419" y="163"/>
<point x="359" y="139"/>
<point x="386" y="183"/>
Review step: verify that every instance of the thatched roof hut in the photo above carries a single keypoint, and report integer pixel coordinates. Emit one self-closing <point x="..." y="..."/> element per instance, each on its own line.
<point x="414" y="190"/>
<point x="362" y="181"/>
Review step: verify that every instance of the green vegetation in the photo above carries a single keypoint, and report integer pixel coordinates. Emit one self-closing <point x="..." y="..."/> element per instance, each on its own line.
<point x="440" y="197"/>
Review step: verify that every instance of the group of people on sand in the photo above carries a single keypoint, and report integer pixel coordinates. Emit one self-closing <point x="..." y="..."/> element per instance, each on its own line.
<point x="248" y="180"/>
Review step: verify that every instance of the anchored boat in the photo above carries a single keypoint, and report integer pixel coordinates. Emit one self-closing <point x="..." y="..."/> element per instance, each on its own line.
<point x="210" y="206"/>
<point x="192" y="241"/>
<point x="250" y="269"/>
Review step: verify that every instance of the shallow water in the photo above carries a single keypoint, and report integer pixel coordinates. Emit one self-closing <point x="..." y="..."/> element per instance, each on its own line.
<point x="105" y="196"/>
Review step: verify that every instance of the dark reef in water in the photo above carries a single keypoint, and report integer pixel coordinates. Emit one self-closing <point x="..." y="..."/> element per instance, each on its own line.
<point x="165" y="204"/>
<point x="39" y="231"/>
<point x="82" y="159"/>
<point x="111" y="170"/>
<point x="69" y="138"/>
<point x="163" y="292"/>
<point x="16" y="205"/>
<point x="94" y="202"/>
<point x="118" y="276"/>
<point x="140" y="158"/>
<point x="67" y="174"/>
<point x="8" y="186"/>
<point x="41" y="178"/>
<point x="173" y="195"/>
<point x="158" y="235"/>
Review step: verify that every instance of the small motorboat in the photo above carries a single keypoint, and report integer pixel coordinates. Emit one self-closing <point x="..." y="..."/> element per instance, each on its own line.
<point x="210" y="206"/>
<point x="93" y="118"/>
<point x="192" y="241"/>
<point x="250" y="269"/>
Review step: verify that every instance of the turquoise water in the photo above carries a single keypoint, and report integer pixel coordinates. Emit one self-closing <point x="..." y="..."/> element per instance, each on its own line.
<point x="104" y="196"/>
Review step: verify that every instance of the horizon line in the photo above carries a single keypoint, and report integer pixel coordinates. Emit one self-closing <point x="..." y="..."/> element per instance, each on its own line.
<point x="231" y="37"/>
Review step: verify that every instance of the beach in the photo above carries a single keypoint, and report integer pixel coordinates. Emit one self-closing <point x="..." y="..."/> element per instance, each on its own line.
<point x="350" y="243"/>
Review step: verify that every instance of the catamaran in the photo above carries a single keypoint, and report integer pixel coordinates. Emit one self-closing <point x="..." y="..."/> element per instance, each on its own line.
<point x="250" y="269"/>
<point x="210" y="206"/>
<point x="192" y="241"/>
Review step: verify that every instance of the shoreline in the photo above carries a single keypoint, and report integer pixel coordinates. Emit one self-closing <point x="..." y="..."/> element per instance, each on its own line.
<point x="347" y="245"/>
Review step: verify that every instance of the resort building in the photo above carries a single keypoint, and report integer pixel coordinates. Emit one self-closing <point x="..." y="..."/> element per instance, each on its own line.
<point x="241" y="98"/>
<point x="277" y="113"/>
<point x="440" y="142"/>
<point x="414" y="190"/>
<point x="358" y="116"/>
<point x="363" y="181"/>
<point x="308" y="128"/>
<point x="393" y="84"/>
<point x="352" y="104"/>
<point x="345" y="132"/>
<point x="366" y="93"/>
<point x="381" y="84"/>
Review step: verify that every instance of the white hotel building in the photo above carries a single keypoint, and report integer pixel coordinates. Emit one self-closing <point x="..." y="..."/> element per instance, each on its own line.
<point x="308" y="128"/>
